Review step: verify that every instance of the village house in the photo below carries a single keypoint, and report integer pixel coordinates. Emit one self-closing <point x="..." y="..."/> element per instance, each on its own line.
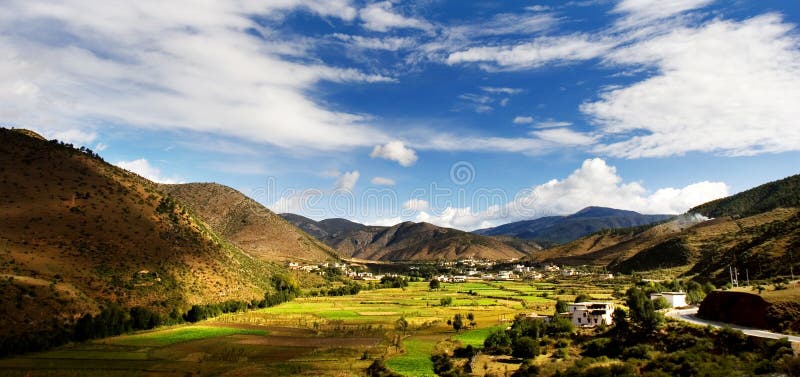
<point x="591" y="314"/>
<point x="675" y="299"/>
<point x="505" y="275"/>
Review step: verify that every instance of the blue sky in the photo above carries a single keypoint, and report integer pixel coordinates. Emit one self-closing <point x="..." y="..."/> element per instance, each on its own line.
<point x="463" y="114"/>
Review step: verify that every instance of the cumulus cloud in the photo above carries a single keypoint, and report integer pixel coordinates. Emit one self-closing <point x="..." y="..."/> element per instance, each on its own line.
<point x="395" y="151"/>
<point x="382" y="181"/>
<point x="80" y="65"/>
<point x="143" y="168"/>
<point x="381" y="17"/>
<point x="595" y="183"/>
<point x="347" y="181"/>
<point x="727" y="87"/>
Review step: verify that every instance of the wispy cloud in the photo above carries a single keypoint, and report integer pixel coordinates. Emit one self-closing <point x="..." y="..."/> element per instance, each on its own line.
<point x="702" y="71"/>
<point x="82" y="63"/>
<point x="382" y="181"/>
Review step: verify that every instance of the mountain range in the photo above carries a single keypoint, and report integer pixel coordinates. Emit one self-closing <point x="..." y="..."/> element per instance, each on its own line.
<point x="757" y="231"/>
<point x="552" y="230"/>
<point x="410" y="241"/>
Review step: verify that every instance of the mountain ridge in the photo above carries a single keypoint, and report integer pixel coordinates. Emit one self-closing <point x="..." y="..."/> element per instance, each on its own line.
<point x="561" y="229"/>
<point x="410" y="241"/>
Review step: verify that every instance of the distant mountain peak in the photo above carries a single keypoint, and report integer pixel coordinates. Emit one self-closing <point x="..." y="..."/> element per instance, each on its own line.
<point x="562" y="229"/>
<point x="596" y="211"/>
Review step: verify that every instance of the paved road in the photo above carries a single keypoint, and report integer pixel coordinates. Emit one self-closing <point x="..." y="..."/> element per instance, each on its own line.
<point x="688" y="315"/>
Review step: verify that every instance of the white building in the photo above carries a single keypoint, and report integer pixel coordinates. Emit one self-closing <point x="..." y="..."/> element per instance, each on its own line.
<point x="591" y="314"/>
<point x="675" y="299"/>
<point x="505" y="275"/>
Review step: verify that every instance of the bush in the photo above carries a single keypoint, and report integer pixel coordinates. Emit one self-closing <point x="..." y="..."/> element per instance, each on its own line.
<point x="525" y="348"/>
<point x="497" y="343"/>
<point x="378" y="369"/>
<point x="660" y="303"/>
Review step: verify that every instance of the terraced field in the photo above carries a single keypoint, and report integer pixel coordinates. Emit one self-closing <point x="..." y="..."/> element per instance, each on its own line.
<point x="312" y="335"/>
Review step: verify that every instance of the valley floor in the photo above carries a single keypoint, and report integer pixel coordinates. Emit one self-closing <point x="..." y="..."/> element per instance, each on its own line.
<point x="320" y="336"/>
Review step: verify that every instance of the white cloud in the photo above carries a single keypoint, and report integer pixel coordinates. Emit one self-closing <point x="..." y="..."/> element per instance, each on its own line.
<point x="523" y="120"/>
<point x="395" y="151"/>
<point x="416" y="204"/>
<point x="727" y="87"/>
<point x="537" y="8"/>
<point x="387" y="43"/>
<point x="381" y="17"/>
<point x="501" y="90"/>
<point x="72" y="136"/>
<point x="638" y="12"/>
<point x="385" y="221"/>
<point x="565" y="136"/>
<point x="143" y="168"/>
<point x="99" y="147"/>
<point x="382" y="181"/>
<point x="534" y="54"/>
<point x="81" y="64"/>
<point x="552" y="124"/>
<point x="347" y="181"/>
<point x="595" y="183"/>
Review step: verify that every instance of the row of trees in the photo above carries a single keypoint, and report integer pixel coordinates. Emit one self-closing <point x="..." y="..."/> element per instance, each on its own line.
<point x="115" y="319"/>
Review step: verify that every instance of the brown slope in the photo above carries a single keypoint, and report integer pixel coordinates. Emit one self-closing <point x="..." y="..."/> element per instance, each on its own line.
<point x="759" y="244"/>
<point x="77" y="233"/>
<point x="423" y="241"/>
<point x="249" y="225"/>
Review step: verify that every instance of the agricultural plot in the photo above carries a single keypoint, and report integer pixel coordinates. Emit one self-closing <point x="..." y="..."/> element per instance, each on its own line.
<point x="310" y="335"/>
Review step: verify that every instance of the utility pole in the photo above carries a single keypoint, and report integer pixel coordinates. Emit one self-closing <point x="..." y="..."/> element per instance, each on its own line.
<point x="747" y="272"/>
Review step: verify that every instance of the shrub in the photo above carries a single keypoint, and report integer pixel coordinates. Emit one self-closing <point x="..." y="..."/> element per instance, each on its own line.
<point x="525" y="348"/>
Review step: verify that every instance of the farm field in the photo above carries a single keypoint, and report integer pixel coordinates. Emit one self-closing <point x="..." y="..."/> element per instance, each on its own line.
<point x="322" y="336"/>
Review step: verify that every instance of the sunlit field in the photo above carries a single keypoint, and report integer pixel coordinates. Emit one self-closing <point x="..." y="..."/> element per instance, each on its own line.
<point x="325" y="336"/>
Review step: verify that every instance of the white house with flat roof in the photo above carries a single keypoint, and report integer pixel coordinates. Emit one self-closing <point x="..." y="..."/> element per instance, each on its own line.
<point x="675" y="299"/>
<point x="591" y="314"/>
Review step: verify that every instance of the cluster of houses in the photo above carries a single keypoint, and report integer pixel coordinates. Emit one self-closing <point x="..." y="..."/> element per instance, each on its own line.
<point x="349" y="271"/>
<point x="595" y="313"/>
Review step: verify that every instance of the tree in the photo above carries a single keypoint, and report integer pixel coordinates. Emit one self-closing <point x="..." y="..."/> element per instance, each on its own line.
<point x="620" y="319"/>
<point x="401" y="325"/>
<point x="660" y="303"/>
<point x="458" y="322"/>
<point x="434" y="284"/>
<point x="525" y="348"/>
<point x="583" y="297"/>
<point x="446" y="301"/>
<point x="561" y="306"/>
<point x="498" y="342"/>
<point x="642" y="312"/>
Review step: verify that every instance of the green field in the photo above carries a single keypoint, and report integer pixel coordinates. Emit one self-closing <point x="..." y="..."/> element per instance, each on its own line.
<point x="416" y="360"/>
<point x="179" y="335"/>
<point x="476" y="337"/>
<point x="310" y="335"/>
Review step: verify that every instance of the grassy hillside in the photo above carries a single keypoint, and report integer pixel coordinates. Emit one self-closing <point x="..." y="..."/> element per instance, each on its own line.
<point x="410" y="241"/>
<point x="765" y="245"/>
<point x="247" y="224"/>
<point x="769" y="196"/>
<point x="78" y="234"/>
<point x="423" y="241"/>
